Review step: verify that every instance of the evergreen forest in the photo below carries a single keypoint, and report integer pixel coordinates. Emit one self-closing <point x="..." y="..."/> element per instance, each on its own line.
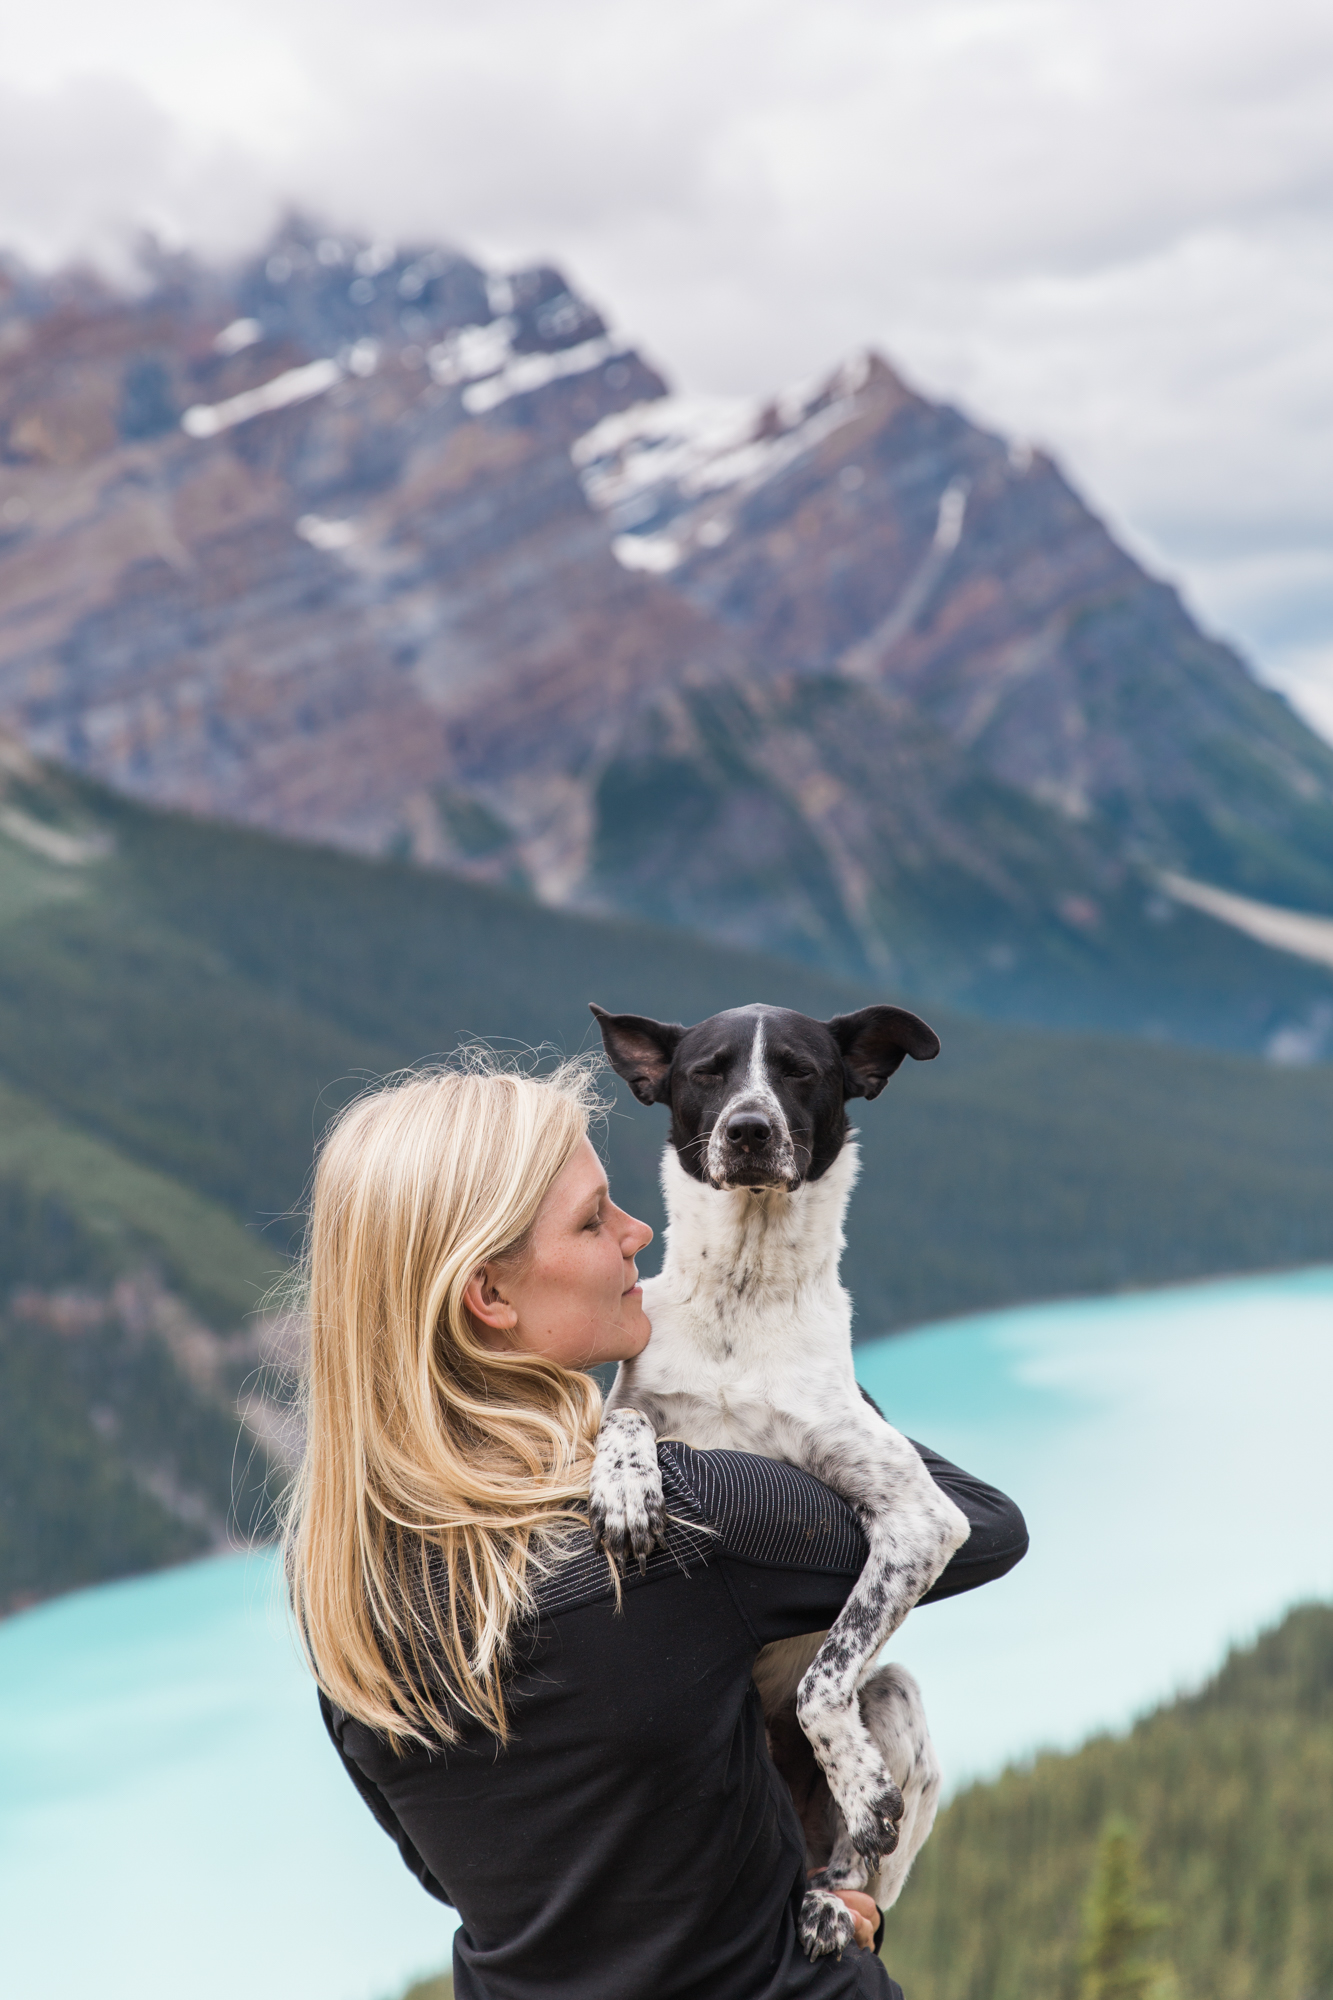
<point x="1195" y="1852"/>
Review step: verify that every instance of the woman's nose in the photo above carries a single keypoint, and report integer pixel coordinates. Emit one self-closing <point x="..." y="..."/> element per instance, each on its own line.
<point x="639" y="1236"/>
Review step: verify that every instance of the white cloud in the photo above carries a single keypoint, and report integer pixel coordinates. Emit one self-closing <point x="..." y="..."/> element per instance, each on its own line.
<point x="89" y="163"/>
<point x="1106" y="224"/>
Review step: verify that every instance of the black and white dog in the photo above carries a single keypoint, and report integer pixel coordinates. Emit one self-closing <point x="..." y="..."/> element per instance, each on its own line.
<point x="751" y="1351"/>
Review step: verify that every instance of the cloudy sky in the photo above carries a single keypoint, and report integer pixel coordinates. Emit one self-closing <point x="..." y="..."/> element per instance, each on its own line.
<point x="1105" y="225"/>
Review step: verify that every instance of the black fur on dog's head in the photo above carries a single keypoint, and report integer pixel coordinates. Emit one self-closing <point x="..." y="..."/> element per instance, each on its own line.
<point x="757" y="1093"/>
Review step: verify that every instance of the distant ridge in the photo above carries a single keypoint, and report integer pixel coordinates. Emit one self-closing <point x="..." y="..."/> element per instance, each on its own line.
<point x="369" y="545"/>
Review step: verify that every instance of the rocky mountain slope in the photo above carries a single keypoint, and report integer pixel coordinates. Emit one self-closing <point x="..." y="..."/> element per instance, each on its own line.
<point x="374" y="547"/>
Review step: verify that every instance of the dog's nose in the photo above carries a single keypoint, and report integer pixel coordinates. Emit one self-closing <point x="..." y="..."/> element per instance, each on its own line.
<point x="749" y="1129"/>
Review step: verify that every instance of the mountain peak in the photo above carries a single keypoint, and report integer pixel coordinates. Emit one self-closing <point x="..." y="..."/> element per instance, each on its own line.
<point x="366" y="543"/>
<point x="669" y="474"/>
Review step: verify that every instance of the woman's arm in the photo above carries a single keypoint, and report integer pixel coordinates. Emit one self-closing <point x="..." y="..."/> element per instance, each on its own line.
<point x="793" y="1548"/>
<point x="999" y="1536"/>
<point x="337" y="1722"/>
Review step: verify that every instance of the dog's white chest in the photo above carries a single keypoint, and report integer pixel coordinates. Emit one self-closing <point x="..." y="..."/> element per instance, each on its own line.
<point x="711" y="1397"/>
<point x="751" y="1341"/>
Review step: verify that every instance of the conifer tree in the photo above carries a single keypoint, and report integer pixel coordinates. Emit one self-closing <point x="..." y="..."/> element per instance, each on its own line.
<point x="1117" y="1925"/>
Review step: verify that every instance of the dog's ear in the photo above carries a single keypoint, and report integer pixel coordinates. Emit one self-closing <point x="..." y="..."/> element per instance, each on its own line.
<point x="874" y="1042"/>
<point x="641" y="1051"/>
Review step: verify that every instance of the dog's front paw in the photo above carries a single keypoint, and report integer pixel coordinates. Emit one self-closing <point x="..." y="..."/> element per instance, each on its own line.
<point x="625" y="1505"/>
<point x="826" y="1924"/>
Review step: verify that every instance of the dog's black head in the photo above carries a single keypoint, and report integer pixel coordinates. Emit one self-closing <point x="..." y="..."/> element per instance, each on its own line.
<point x="757" y="1093"/>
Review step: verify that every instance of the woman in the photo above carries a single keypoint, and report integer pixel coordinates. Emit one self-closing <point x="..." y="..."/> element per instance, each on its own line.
<point x="579" y="1767"/>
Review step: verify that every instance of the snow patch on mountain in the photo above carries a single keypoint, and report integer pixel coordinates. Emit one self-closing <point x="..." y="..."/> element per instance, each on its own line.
<point x="528" y="372"/>
<point x="472" y="352"/>
<point x="656" y="554"/>
<point x="669" y="473"/>
<point x="485" y="358"/>
<point x="237" y="336"/>
<point x="1301" y="932"/>
<point x="295" y="385"/>
<point x="869" y="656"/>
<point x="327" y="535"/>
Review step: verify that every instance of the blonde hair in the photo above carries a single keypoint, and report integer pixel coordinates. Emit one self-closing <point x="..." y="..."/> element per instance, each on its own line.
<point x="438" y="1473"/>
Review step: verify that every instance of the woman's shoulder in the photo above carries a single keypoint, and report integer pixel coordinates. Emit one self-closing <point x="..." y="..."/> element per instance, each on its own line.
<point x="572" y="1570"/>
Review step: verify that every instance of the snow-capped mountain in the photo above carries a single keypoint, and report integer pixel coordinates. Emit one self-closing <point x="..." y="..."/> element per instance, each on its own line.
<point x="368" y="545"/>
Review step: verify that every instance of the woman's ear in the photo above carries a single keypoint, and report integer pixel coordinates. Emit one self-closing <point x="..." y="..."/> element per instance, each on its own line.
<point x="484" y="1304"/>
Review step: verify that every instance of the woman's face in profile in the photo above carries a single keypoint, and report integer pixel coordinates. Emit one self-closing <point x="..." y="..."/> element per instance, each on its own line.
<point x="575" y="1298"/>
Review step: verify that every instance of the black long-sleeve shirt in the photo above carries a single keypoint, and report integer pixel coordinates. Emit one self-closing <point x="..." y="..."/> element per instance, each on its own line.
<point x="633" y="1841"/>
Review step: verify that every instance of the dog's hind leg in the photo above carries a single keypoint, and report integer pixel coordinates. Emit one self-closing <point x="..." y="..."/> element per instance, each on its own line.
<point x="895" y="1721"/>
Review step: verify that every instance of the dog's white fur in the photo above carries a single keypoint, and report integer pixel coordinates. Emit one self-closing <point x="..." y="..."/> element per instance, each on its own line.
<point x="751" y="1350"/>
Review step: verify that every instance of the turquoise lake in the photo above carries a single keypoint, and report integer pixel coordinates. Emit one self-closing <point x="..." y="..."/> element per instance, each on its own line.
<point x="174" y="1826"/>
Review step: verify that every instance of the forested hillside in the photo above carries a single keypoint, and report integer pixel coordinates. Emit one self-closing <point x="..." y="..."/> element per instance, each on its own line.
<point x="182" y="1004"/>
<point x="1230" y="1794"/>
<point x="120" y="1447"/>
<point x="195" y="1000"/>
